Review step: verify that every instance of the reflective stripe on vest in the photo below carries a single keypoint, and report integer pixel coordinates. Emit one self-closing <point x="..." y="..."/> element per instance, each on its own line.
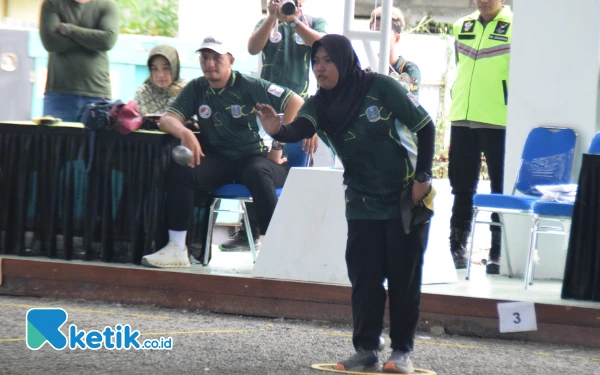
<point x="472" y="53"/>
<point x="480" y="91"/>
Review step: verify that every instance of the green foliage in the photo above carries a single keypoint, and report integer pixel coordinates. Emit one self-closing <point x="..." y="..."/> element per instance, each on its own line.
<point x="428" y="26"/>
<point x="149" y="17"/>
<point x="440" y="156"/>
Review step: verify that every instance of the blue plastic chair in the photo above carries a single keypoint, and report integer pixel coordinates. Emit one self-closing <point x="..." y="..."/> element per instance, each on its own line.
<point x="551" y="211"/>
<point x="296" y="158"/>
<point x="595" y="145"/>
<point x="547" y="159"/>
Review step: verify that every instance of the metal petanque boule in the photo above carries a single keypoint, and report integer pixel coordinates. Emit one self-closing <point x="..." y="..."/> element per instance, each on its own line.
<point x="182" y="155"/>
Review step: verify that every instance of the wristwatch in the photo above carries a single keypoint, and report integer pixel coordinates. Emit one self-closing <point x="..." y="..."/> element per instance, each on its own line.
<point x="295" y="23"/>
<point x="422" y="177"/>
<point x="277" y="145"/>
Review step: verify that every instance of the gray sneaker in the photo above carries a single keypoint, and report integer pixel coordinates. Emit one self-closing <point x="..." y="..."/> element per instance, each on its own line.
<point x="399" y="363"/>
<point x="362" y="360"/>
<point x="239" y="242"/>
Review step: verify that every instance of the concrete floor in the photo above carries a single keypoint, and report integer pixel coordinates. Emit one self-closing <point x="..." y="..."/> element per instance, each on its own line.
<point x="208" y="343"/>
<point x="239" y="264"/>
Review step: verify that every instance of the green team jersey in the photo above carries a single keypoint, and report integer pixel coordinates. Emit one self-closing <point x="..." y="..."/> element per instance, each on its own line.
<point x="376" y="165"/>
<point x="286" y="58"/>
<point x="228" y="125"/>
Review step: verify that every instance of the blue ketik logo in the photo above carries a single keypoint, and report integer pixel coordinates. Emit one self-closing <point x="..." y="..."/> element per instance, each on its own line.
<point x="43" y="325"/>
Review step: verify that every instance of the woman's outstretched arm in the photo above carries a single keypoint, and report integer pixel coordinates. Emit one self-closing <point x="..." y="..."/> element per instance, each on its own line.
<point x="299" y="129"/>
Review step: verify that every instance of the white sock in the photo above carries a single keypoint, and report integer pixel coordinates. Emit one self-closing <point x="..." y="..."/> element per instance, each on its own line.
<point x="178" y="236"/>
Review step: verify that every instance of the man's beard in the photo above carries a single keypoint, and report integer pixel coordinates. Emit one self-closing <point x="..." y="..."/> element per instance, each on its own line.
<point x="214" y="77"/>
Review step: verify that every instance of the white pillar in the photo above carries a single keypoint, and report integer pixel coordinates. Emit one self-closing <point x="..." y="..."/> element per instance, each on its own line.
<point x="382" y="36"/>
<point x="555" y="56"/>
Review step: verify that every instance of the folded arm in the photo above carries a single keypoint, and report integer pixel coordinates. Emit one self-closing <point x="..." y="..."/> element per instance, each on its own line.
<point x="51" y="39"/>
<point x="102" y="38"/>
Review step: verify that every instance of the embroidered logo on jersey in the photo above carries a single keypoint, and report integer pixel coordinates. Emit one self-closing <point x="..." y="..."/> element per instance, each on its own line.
<point x="275" y="38"/>
<point x="299" y="40"/>
<point x="276" y="90"/>
<point x="204" y="111"/>
<point x="499" y="37"/>
<point x="414" y="87"/>
<point x="373" y="114"/>
<point x="414" y="100"/>
<point x="502" y="28"/>
<point x="467" y="26"/>
<point x="236" y="111"/>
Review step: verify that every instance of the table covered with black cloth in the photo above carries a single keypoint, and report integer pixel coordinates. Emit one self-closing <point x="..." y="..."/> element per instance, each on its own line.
<point x="582" y="270"/>
<point x="58" y="199"/>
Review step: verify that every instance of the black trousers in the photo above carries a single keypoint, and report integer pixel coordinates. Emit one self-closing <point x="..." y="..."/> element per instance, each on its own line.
<point x="582" y="269"/>
<point x="376" y="250"/>
<point x="260" y="175"/>
<point x="466" y="146"/>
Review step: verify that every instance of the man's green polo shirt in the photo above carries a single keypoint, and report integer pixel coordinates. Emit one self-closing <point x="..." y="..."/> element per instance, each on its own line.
<point x="228" y="124"/>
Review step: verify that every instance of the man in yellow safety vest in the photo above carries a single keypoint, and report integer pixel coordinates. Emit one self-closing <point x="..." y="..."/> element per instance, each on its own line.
<point x="478" y="118"/>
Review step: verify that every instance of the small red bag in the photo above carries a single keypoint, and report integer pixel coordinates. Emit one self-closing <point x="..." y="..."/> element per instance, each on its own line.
<point x="126" y="118"/>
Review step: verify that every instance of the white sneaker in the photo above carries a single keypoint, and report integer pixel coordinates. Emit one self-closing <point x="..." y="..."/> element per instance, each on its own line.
<point x="169" y="256"/>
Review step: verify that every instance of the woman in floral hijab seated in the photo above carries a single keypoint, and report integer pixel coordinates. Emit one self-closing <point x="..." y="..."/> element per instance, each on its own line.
<point x="164" y="83"/>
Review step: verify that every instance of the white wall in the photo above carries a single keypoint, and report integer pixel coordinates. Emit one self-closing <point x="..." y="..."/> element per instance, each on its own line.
<point x="309" y="246"/>
<point x="231" y="21"/>
<point x="26" y="10"/>
<point x="553" y="81"/>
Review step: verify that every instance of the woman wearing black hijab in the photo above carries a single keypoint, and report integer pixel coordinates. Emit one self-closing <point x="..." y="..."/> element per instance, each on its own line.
<point x="355" y="112"/>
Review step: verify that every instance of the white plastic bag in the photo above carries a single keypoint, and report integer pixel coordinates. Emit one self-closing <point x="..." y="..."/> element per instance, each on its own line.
<point x="558" y="193"/>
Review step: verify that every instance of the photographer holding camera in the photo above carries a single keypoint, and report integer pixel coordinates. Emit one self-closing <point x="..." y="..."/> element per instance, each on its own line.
<point x="285" y="37"/>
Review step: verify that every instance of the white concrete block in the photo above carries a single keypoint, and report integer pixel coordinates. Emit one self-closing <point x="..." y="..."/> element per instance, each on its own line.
<point x="306" y="240"/>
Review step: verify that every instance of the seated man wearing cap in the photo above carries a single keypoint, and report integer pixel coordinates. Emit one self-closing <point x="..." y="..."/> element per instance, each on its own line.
<point x="228" y="147"/>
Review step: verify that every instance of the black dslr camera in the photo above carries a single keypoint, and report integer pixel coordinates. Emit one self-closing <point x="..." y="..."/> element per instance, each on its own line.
<point x="288" y="7"/>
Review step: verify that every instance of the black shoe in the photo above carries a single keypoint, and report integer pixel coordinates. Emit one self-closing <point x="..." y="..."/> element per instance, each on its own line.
<point x="458" y="247"/>
<point x="362" y="360"/>
<point x="239" y="242"/>
<point x="460" y="260"/>
<point x="492" y="267"/>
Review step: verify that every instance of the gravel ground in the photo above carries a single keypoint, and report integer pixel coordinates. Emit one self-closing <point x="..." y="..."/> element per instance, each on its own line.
<point x="208" y="343"/>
